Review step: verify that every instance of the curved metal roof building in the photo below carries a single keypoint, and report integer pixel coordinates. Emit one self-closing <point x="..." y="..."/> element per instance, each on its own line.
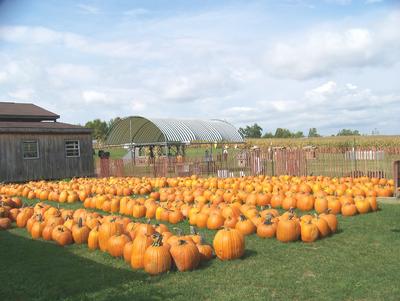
<point x="139" y="130"/>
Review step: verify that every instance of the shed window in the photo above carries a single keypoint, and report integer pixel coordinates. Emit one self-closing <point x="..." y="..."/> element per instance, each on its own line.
<point x="72" y="148"/>
<point x="30" y="149"/>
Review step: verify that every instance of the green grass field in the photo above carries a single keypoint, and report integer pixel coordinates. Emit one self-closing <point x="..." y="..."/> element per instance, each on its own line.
<point x="361" y="262"/>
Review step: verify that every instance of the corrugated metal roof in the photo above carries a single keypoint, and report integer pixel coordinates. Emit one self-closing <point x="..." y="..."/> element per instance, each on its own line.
<point x="140" y="130"/>
<point x="11" y="110"/>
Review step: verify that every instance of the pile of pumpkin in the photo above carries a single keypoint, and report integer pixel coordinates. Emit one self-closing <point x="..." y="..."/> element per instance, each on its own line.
<point x="8" y="210"/>
<point x="150" y="247"/>
<point x="261" y="189"/>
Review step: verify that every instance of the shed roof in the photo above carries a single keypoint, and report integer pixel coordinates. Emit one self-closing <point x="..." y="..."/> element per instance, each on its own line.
<point x="140" y="130"/>
<point x="24" y="111"/>
<point x="42" y="127"/>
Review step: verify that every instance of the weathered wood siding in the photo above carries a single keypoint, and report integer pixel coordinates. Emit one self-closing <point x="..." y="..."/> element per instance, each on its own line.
<point x="52" y="162"/>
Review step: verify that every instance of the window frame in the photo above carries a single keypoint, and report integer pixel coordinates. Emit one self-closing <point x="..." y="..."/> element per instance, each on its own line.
<point x="66" y="151"/>
<point x="37" y="149"/>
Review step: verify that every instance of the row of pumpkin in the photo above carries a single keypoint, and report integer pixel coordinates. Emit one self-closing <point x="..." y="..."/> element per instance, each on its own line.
<point x="245" y="220"/>
<point x="283" y="191"/>
<point x="143" y="245"/>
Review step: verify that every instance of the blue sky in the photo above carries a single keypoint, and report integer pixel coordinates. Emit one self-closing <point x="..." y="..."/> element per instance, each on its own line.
<point x="296" y="64"/>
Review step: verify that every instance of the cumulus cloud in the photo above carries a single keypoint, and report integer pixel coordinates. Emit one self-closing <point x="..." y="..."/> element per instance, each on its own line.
<point x="91" y="96"/>
<point x="23" y="94"/>
<point x="62" y="74"/>
<point x="322" y="52"/>
<point x="39" y="35"/>
<point x="214" y="64"/>
<point x="329" y="107"/>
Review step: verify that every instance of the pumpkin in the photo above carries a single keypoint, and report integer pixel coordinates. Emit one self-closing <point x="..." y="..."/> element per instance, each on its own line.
<point x="363" y="205"/>
<point x="289" y="202"/>
<point x="245" y="226"/>
<point x="205" y="250"/>
<point x="47" y="232"/>
<point x="145" y="229"/>
<point x="106" y="230"/>
<point x="309" y="232"/>
<point x="267" y="229"/>
<point x="322" y="226"/>
<point x="321" y="205"/>
<point x="5" y="223"/>
<point x="349" y="209"/>
<point x="62" y="235"/>
<point x="201" y="220"/>
<point x="231" y="222"/>
<point x="128" y="251"/>
<point x="305" y="202"/>
<point x="288" y="229"/>
<point x="139" y="246"/>
<point x="23" y="217"/>
<point x="175" y="216"/>
<point x="116" y="244"/>
<point x="215" y="221"/>
<point x="93" y="239"/>
<point x="334" y="206"/>
<point x="185" y="255"/>
<point x="80" y="232"/>
<point x="229" y="244"/>
<point x="331" y="219"/>
<point x="37" y="227"/>
<point x="157" y="258"/>
<point x="372" y="203"/>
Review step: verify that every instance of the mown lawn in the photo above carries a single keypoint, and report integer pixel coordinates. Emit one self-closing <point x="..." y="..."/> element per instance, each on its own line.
<point x="361" y="262"/>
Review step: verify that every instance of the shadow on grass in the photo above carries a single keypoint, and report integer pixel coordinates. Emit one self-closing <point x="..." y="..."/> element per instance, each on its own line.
<point x="36" y="270"/>
<point x="249" y="253"/>
<point x="395" y="230"/>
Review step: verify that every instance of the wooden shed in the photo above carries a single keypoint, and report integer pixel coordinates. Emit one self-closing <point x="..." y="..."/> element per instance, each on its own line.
<point x="34" y="146"/>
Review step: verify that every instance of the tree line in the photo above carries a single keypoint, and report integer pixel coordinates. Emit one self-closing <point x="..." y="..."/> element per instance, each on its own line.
<point x="256" y="131"/>
<point x="101" y="128"/>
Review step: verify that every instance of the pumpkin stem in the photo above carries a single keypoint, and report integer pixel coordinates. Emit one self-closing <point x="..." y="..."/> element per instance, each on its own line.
<point x="80" y="222"/>
<point x="157" y="242"/>
<point x="242" y="218"/>
<point x="268" y="220"/>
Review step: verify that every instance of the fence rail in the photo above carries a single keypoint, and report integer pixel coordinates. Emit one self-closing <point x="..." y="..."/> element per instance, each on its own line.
<point x="326" y="161"/>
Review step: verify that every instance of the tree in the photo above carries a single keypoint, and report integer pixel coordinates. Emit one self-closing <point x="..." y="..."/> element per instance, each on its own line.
<point x="298" y="134"/>
<point x="313" y="133"/>
<point x="348" y="132"/>
<point x="282" y="133"/>
<point x="253" y="131"/>
<point x="268" y="135"/>
<point x="99" y="127"/>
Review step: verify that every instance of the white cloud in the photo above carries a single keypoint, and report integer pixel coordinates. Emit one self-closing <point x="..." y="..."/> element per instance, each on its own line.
<point x="88" y="9"/>
<point x="91" y="96"/>
<point x="61" y="74"/>
<point x="24" y="94"/>
<point x="323" y="51"/>
<point x="329" y="107"/>
<point x="136" y="12"/>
